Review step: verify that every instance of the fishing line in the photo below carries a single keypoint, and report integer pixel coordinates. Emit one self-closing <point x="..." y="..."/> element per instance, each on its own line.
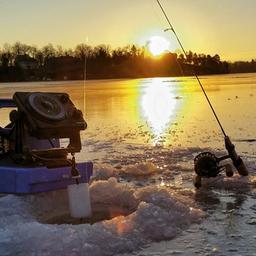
<point x="85" y="77"/>
<point x="160" y="21"/>
<point x="194" y="73"/>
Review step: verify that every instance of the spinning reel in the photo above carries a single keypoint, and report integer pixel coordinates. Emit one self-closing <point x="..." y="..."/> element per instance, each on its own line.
<point x="207" y="165"/>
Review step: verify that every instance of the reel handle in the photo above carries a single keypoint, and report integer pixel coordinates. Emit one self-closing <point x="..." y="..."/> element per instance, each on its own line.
<point x="230" y="147"/>
<point x="237" y="160"/>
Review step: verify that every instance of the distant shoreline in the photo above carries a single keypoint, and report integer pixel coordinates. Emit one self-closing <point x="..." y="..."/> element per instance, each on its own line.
<point x="126" y="78"/>
<point x="24" y="63"/>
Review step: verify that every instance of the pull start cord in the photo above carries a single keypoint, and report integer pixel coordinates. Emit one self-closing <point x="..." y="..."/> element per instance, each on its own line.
<point x="194" y="73"/>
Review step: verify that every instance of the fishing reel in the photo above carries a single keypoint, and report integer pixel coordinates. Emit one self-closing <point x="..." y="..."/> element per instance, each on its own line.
<point x="36" y="128"/>
<point x="208" y="165"/>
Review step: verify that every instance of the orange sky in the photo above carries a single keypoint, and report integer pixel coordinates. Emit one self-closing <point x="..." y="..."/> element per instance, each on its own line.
<point x="204" y="26"/>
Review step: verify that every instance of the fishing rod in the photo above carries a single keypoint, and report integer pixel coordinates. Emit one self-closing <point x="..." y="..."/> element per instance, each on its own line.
<point x="207" y="164"/>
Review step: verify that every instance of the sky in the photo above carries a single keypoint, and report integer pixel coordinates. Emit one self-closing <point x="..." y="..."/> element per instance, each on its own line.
<point x="224" y="27"/>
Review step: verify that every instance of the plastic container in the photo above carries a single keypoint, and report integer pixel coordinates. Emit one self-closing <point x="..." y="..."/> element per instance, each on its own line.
<point x="79" y="200"/>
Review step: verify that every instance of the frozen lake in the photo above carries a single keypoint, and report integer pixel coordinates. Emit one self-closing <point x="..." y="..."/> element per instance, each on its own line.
<point x="143" y="134"/>
<point x="170" y="112"/>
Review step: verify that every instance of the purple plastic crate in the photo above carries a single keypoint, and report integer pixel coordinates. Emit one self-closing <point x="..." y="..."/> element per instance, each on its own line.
<point x="21" y="180"/>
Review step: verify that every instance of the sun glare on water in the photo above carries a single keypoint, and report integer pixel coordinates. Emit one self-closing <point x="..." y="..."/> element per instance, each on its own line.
<point x="158" y="106"/>
<point x="158" y="45"/>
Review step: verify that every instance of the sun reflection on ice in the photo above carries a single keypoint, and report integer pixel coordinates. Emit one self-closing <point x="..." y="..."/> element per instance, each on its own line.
<point x="158" y="106"/>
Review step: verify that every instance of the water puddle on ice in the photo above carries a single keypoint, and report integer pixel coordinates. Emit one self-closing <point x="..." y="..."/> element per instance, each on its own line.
<point x="98" y="215"/>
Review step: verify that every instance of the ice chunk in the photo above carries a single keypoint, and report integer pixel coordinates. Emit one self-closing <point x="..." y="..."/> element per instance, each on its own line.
<point x="158" y="214"/>
<point x="111" y="193"/>
<point x="103" y="172"/>
<point x="141" y="169"/>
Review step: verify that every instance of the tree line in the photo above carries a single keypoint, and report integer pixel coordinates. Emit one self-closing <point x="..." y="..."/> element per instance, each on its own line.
<point x="22" y="62"/>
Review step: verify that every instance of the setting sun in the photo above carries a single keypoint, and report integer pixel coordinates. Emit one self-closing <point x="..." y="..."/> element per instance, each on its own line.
<point x="158" y="45"/>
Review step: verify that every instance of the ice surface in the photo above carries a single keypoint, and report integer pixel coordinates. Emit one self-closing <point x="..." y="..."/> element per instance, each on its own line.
<point x="156" y="212"/>
<point x="159" y="213"/>
<point x="230" y="183"/>
<point x="162" y="207"/>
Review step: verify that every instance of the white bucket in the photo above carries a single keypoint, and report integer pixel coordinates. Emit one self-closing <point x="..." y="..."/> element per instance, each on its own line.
<point x="79" y="200"/>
